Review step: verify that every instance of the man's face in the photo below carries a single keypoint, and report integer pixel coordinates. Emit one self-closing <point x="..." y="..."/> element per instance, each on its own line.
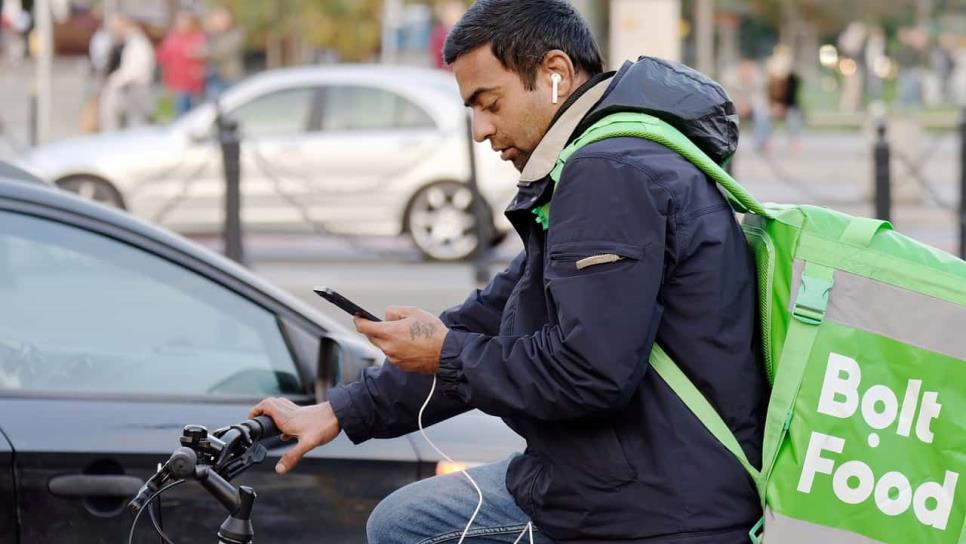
<point x="117" y="26"/>
<point x="185" y="22"/>
<point x="511" y="117"/>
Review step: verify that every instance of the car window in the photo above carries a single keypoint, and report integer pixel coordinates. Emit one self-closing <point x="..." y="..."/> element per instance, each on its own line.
<point x="368" y="108"/>
<point x="81" y="312"/>
<point x="275" y="114"/>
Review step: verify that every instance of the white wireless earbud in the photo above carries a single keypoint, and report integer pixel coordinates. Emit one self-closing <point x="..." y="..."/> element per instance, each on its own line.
<point x="554" y="93"/>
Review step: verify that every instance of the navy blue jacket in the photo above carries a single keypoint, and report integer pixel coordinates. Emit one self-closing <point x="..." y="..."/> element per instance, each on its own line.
<point x="561" y="353"/>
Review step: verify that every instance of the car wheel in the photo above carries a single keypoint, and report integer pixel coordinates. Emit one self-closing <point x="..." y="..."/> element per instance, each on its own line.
<point x="93" y="188"/>
<point x="441" y="222"/>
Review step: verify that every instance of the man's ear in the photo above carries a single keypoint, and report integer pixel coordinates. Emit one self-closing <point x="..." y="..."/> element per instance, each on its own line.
<point x="558" y="62"/>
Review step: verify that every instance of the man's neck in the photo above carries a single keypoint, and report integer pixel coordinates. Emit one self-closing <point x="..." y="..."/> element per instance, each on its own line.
<point x="585" y="82"/>
<point x="561" y="127"/>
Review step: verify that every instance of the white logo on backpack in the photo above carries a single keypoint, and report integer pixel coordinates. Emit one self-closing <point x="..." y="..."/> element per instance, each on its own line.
<point x="880" y="409"/>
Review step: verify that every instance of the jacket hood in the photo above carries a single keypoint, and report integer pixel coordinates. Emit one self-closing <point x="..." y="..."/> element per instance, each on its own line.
<point x="684" y="98"/>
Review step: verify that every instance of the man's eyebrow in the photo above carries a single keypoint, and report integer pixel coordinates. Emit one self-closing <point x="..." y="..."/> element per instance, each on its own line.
<point x="476" y="95"/>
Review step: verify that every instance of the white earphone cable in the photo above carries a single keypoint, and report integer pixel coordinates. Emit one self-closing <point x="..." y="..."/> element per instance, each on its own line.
<point x="528" y="528"/>
<point x="419" y="420"/>
<point x="447" y="457"/>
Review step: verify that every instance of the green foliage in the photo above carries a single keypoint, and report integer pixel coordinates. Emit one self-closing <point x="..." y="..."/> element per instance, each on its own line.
<point x="831" y="16"/>
<point x="350" y="27"/>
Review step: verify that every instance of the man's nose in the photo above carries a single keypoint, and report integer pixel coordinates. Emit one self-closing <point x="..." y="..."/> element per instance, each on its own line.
<point x="482" y="127"/>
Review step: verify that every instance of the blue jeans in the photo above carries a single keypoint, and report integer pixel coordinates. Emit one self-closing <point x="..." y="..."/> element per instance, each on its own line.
<point x="435" y="511"/>
<point x="215" y="85"/>
<point x="183" y="102"/>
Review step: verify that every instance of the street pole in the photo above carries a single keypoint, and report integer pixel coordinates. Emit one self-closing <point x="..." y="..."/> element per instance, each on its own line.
<point x="482" y="221"/>
<point x="962" y="185"/>
<point x="44" y="67"/>
<point x="32" y="115"/>
<point x="651" y="26"/>
<point x="704" y="36"/>
<point x="391" y="14"/>
<point x="880" y="154"/>
<point x="231" y="158"/>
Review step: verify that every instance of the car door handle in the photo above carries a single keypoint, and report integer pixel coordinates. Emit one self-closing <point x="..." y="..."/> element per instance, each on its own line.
<point x="88" y="485"/>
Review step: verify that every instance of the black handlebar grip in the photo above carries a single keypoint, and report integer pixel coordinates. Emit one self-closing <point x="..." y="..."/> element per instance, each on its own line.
<point x="263" y="427"/>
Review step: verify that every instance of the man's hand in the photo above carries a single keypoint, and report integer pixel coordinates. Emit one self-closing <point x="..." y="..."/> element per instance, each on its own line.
<point x="312" y="426"/>
<point x="411" y="338"/>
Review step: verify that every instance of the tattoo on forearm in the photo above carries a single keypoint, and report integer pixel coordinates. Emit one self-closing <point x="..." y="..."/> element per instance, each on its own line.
<point x="420" y="329"/>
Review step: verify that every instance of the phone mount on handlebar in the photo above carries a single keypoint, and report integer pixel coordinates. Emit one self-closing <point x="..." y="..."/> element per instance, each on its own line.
<point x="213" y="460"/>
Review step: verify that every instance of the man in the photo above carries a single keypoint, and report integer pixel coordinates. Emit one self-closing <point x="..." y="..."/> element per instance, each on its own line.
<point x="224" y="50"/>
<point x="448" y="15"/>
<point x="182" y="63"/>
<point x="641" y="247"/>
<point x="127" y="90"/>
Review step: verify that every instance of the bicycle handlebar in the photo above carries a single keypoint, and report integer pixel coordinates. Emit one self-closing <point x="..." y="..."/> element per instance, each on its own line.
<point x="223" y="449"/>
<point x="213" y="460"/>
<point x="261" y="428"/>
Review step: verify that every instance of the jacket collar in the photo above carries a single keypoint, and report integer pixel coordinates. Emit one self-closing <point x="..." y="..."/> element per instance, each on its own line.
<point x="573" y="111"/>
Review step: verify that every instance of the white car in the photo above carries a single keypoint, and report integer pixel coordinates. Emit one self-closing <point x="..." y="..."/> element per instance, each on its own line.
<point x="350" y="149"/>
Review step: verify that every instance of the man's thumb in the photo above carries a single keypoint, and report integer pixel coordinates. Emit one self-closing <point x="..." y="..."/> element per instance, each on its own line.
<point x="292" y="457"/>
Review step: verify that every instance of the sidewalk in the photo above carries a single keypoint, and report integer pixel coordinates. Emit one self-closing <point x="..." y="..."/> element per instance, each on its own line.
<point x="69" y="81"/>
<point x="836" y="170"/>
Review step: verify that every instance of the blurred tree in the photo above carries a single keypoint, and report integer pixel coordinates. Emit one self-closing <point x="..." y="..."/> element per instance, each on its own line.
<point x="297" y="31"/>
<point x="829" y="17"/>
<point x="294" y="31"/>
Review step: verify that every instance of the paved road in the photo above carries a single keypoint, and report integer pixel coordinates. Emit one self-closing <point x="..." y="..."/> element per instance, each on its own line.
<point x="69" y="78"/>
<point x="374" y="286"/>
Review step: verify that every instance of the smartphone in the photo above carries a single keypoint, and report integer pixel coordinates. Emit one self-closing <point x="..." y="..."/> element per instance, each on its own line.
<point x="347" y="305"/>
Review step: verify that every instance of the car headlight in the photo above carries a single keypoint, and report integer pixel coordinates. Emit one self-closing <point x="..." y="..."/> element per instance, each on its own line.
<point x="446" y="467"/>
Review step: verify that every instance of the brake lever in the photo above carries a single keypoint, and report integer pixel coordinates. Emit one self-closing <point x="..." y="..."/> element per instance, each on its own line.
<point x="221" y="431"/>
<point x="232" y="437"/>
<point x="253" y="456"/>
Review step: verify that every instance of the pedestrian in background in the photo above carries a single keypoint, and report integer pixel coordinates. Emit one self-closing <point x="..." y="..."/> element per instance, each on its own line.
<point x="182" y="63"/>
<point x="942" y="63"/>
<point x="745" y="83"/>
<point x="783" y="104"/>
<point x="16" y="23"/>
<point x="223" y="50"/>
<point x="791" y="108"/>
<point x="3" y="24"/>
<point x="100" y="52"/>
<point x="912" y="57"/>
<point x="448" y="14"/>
<point x="127" y="90"/>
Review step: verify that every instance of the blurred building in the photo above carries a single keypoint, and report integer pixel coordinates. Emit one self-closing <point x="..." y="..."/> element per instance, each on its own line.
<point x="627" y="29"/>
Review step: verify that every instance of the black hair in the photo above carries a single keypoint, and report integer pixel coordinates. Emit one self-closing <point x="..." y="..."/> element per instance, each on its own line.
<point x="521" y="32"/>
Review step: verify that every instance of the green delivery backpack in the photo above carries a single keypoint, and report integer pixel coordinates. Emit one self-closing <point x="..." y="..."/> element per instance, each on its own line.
<point x="864" y="339"/>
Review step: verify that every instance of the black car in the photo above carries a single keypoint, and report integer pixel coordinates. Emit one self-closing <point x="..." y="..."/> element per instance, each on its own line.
<point x="114" y="334"/>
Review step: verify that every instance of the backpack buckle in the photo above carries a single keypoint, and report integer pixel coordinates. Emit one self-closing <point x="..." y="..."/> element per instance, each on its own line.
<point x="812" y="299"/>
<point x="755" y="533"/>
